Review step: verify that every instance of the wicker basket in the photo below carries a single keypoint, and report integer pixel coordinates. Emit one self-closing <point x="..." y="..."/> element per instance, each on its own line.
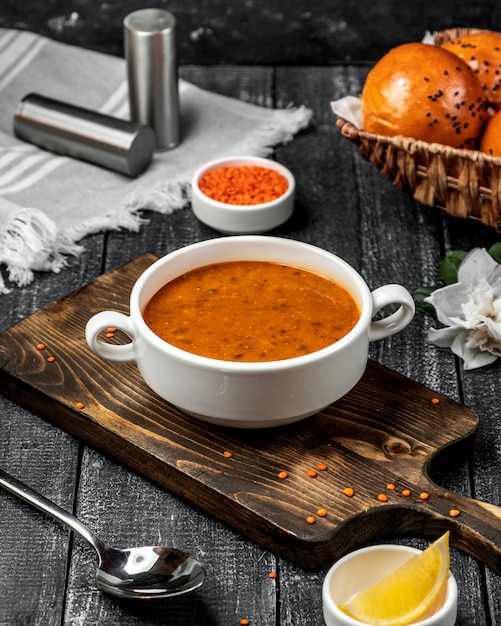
<point x="464" y="183"/>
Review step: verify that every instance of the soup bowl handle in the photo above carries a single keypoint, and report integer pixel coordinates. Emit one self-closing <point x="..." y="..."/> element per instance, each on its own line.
<point x="110" y="319"/>
<point x="397" y="321"/>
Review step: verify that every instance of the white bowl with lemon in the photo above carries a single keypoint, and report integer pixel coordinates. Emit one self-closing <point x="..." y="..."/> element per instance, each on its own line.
<point x="392" y="585"/>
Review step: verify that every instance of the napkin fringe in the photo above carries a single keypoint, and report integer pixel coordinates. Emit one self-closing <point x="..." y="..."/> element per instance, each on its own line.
<point x="282" y="130"/>
<point x="30" y="243"/>
<point x="164" y="198"/>
<point x="124" y="218"/>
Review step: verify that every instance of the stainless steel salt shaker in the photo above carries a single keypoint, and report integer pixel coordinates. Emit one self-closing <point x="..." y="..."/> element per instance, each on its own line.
<point x="70" y="130"/>
<point x="150" y="52"/>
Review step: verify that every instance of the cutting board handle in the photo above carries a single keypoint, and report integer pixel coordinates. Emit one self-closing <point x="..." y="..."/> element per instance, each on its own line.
<point x="475" y="526"/>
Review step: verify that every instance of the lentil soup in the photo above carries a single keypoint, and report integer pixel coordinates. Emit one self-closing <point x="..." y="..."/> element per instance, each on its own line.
<point x="251" y="311"/>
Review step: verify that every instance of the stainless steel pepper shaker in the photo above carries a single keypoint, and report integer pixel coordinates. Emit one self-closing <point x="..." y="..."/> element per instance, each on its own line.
<point x="150" y="52"/>
<point x="63" y="128"/>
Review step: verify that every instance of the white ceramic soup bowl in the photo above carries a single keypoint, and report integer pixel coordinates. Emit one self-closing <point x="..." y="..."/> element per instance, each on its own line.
<point x="250" y="394"/>
<point x="364" y="567"/>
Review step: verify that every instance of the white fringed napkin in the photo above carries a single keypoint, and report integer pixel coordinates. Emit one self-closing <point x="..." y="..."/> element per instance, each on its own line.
<point x="48" y="203"/>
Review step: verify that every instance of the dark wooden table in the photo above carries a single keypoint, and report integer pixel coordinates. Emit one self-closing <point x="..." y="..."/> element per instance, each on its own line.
<point x="344" y="206"/>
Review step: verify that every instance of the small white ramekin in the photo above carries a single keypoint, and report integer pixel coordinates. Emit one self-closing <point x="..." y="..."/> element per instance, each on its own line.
<point x="363" y="567"/>
<point x="243" y="219"/>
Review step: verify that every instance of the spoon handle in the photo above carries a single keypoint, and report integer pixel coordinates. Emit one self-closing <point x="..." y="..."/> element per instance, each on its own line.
<point x="13" y="485"/>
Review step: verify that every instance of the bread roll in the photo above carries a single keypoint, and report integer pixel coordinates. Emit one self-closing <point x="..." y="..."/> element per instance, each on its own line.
<point x="426" y="92"/>
<point x="482" y="52"/>
<point x="491" y="139"/>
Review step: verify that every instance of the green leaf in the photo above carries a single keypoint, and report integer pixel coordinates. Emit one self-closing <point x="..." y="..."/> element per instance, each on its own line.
<point x="495" y="251"/>
<point x="419" y="296"/>
<point x="450" y="265"/>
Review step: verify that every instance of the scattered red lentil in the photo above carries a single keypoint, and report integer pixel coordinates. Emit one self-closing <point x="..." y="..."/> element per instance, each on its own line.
<point x="406" y="492"/>
<point x="311" y="473"/>
<point x="283" y="475"/>
<point x="41" y="346"/>
<point x="111" y="329"/>
<point x="348" y="491"/>
<point x="435" y="400"/>
<point x="322" y="513"/>
<point x="227" y="454"/>
<point x="322" y="467"/>
<point x="390" y="486"/>
<point x="80" y="405"/>
<point x="310" y="519"/>
<point x="110" y="335"/>
<point x="51" y="359"/>
<point x="243" y="185"/>
<point x="244" y="622"/>
<point x="424" y="495"/>
<point x="382" y="497"/>
<point x="272" y="575"/>
<point x="454" y="512"/>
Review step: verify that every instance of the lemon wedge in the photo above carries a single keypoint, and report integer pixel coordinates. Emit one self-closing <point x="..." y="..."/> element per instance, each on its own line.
<point x="405" y="593"/>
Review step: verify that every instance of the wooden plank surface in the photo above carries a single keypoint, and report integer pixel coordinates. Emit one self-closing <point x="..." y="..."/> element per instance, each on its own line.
<point x="385" y="430"/>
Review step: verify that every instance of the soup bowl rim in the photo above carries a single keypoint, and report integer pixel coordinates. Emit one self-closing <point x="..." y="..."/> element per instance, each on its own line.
<point x="363" y="300"/>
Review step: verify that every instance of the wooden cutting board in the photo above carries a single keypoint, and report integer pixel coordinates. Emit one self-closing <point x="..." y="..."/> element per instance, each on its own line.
<point x="386" y="430"/>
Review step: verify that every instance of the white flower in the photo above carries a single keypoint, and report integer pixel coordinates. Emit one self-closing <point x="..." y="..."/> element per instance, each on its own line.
<point x="471" y="311"/>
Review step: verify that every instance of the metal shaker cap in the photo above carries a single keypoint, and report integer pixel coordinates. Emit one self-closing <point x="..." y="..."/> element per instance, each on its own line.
<point x="150" y="52"/>
<point x="115" y="144"/>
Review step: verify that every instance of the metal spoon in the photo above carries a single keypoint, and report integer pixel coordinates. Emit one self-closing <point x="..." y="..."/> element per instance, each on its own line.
<point x="146" y="572"/>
